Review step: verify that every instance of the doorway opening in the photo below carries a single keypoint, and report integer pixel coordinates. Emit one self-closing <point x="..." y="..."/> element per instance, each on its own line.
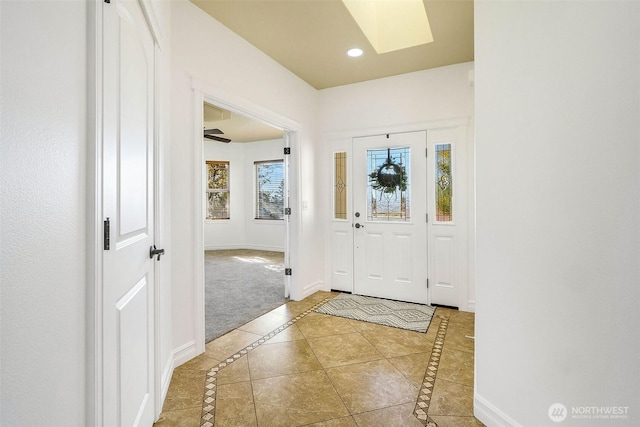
<point x="246" y="190"/>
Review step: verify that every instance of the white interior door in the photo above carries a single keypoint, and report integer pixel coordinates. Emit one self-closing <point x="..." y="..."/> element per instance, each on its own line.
<point x="128" y="201"/>
<point x="390" y="226"/>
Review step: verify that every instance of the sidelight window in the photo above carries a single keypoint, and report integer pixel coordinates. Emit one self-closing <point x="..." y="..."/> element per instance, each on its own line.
<point x="340" y="185"/>
<point x="444" y="183"/>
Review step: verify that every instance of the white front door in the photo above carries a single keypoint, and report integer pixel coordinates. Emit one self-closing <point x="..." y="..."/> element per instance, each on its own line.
<point x="128" y="202"/>
<point x="389" y="216"/>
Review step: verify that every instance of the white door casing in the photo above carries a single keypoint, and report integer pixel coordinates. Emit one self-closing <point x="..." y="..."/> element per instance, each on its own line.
<point x="128" y="291"/>
<point x="390" y="253"/>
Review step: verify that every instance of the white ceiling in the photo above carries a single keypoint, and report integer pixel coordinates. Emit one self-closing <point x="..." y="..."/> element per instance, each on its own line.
<point x="310" y="38"/>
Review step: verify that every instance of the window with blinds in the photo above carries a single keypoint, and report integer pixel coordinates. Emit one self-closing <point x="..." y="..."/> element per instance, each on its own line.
<point x="269" y="189"/>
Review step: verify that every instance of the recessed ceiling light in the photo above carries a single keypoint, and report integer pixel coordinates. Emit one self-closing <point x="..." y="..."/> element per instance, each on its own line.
<point x="355" y="52"/>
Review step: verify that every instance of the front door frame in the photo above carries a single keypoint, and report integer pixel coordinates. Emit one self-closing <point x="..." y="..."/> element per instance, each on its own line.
<point x="203" y="93"/>
<point x="341" y="141"/>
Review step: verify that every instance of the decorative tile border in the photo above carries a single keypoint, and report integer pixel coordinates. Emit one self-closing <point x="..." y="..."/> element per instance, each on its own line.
<point x="421" y="409"/>
<point x="209" y="401"/>
<point x="424" y="397"/>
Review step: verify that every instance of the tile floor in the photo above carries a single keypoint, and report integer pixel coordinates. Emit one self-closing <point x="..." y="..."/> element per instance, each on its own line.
<point x="295" y="367"/>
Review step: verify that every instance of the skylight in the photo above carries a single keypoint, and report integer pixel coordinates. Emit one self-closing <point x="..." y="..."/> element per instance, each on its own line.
<point x="391" y="24"/>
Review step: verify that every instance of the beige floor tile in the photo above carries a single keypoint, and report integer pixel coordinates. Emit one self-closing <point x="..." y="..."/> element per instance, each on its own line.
<point x="185" y="390"/>
<point x="371" y="385"/>
<point x="344" y="349"/>
<point x="445" y="421"/>
<point x="321" y="325"/>
<point x="181" y="418"/>
<point x="297" y="399"/>
<point x="292" y="309"/>
<point x="200" y="363"/>
<point x="336" y="422"/>
<point x="451" y="399"/>
<point x="447" y="312"/>
<point x="234" y="405"/>
<point x="264" y="324"/>
<point x="321" y="296"/>
<point x="227" y="345"/>
<point x="462" y="316"/>
<point x="432" y="331"/>
<point x="462" y="328"/>
<point x="395" y="416"/>
<point x="456" y="366"/>
<point x="412" y="366"/>
<point x="235" y="372"/>
<point x="458" y="339"/>
<point x="292" y="333"/>
<point x="289" y="357"/>
<point x="393" y="342"/>
<point x="282" y="382"/>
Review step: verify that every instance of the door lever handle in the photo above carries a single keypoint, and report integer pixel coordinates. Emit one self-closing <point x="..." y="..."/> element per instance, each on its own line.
<point x="359" y="225"/>
<point x="153" y="252"/>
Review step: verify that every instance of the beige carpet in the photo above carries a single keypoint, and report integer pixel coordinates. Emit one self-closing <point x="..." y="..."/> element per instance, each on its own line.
<point x="240" y="285"/>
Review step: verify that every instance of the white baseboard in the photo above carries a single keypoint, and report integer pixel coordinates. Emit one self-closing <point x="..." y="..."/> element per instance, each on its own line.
<point x="312" y="288"/>
<point x="251" y="247"/>
<point x="184" y="353"/>
<point x="167" y="372"/>
<point x="471" y="306"/>
<point x="490" y="415"/>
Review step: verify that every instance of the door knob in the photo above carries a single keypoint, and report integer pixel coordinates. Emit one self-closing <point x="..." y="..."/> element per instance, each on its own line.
<point x="359" y="225"/>
<point x="153" y="252"/>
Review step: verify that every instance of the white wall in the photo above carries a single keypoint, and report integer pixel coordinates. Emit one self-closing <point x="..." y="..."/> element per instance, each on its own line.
<point x="438" y="94"/>
<point x="558" y="208"/>
<point x="242" y="230"/>
<point x="398" y="103"/>
<point x="204" y="50"/>
<point x="42" y="212"/>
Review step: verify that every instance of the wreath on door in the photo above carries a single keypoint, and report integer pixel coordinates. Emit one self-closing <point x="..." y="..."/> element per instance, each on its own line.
<point x="389" y="177"/>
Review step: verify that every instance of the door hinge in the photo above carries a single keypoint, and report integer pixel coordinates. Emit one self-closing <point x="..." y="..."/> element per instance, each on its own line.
<point x="287" y="150"/>
<point x="426" y="152"/>
<point x="287" y="272"/>
<point x="106" y="235"/>
<point x="287" y="211"/>
<point x="427" y="218"/>
<point x="427" y="283"/>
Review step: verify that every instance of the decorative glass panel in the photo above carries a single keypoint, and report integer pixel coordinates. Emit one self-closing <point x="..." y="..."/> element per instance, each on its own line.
<point x="217" y="190"/>
<point x="270" y="189"/>
<point x="444" y="183"/>
<point x="388" y="190"/>
<point x="340" y="186"/>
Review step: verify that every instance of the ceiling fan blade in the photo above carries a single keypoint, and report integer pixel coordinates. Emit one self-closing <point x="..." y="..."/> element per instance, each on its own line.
<point x="217" y="138"/>
<point x="213" y="132"/>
